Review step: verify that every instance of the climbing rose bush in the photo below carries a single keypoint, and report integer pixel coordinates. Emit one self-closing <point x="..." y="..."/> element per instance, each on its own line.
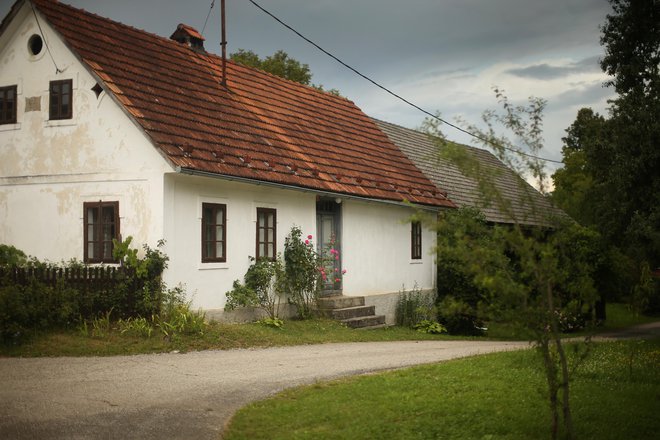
<point x="303" y="279"/>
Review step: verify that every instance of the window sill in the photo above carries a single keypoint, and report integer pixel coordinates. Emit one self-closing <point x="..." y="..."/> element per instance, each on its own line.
<point x="10" y="127"/>
<point x="420" y="261"/>
<point x="60" y="122"/>
<point x="100" y="264"/>
<point x="212" y="266"/>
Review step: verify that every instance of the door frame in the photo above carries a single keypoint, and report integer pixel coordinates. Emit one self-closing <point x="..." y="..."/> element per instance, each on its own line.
<point x="326" y="206"/>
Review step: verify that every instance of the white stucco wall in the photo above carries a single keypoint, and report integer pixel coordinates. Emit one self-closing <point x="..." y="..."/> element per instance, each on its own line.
<point x="206" y="283"/>
<point x="376" y="250"/>
<point x="375" y="238"/>
<point x="49" y="168"/>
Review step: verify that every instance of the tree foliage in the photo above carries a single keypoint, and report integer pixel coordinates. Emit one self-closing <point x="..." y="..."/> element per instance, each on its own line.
<point x="282" y="65"/>
<point x="631" y="37"/>
<point x="610" y="179"/>
<point x="574" y="190"/>
<point x="279" y="64"/>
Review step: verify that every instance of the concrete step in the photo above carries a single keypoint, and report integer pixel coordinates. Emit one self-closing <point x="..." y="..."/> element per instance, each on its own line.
<point x="349" y="312"/>
<point x="340" y="302"/>
<point x="373" y="327"/>
<point x="365" y="321"/>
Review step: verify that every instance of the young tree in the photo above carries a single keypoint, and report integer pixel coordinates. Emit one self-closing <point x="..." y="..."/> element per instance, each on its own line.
<point x="537" y="277"/>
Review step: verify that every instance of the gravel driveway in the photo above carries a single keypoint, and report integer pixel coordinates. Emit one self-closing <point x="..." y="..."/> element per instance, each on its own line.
<point x="184" y="396"/>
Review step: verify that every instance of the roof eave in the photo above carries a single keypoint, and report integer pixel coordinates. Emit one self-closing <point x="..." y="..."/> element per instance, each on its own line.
<point x="403" y="203"/>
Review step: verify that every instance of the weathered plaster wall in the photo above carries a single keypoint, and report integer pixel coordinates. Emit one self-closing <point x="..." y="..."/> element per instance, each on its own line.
<point x="207" y="283"/>
<point x="49" y="168"/>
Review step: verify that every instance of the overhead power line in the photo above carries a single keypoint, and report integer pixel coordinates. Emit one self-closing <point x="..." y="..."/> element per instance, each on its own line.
<point x="207" y="16"/>
<point x="399" y="97"/>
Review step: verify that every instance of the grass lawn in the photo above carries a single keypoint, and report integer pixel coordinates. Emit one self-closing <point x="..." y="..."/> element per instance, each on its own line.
<point x="619" y="316"/>
<point x="615" y="395"/>
<point x="217" y="336"/>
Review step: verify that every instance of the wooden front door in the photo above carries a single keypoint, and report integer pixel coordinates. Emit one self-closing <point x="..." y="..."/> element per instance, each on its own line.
<point x="328" y="231"/>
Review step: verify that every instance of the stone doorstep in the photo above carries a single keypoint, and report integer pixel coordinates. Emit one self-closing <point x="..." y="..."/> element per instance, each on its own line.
<point x="351" y="311"/>
<point x="340" y="302"/>
<point x="365" y="321"/>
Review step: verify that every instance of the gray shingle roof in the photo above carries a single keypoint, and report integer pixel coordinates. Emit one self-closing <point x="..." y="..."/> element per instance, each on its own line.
<point x="528" y="206"/>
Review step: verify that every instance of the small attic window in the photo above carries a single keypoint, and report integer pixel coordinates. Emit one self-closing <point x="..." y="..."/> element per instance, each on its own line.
<point x="35" y="44"/>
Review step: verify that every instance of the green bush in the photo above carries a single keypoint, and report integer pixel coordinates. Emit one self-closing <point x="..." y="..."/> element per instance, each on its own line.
<point x="303" y="279"/>
<point x="432" y="327"/>
<point x="38" y="296"/>
<point x="645" y="295"/>
<point x="140" y="292"/>
<point x="263" y="287"/>
<point x="414" y="307"/>
<point x="459" y="317"/>
<point x="11" y="256"/>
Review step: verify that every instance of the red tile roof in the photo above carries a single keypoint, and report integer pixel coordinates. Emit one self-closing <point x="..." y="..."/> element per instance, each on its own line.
<point x="261" y="127"/>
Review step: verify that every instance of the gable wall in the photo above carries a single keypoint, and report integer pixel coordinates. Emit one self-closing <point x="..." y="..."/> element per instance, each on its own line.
<point x="49" y="168"/>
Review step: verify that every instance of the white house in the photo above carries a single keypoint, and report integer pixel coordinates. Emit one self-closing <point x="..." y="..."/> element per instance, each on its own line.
<point x="107" y="131"/>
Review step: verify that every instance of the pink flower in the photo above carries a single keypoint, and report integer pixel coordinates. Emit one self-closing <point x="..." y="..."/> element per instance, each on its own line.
<point x="337" y="280"/>
<point x="307" y="242"/>
<point x="324" y="277"/>
<point x="336" y="270"/>
<point x="309" y="237"/>
<point x="337" y="258"/>
<point x="343" y="272"/>
<point x="332" y="251"/>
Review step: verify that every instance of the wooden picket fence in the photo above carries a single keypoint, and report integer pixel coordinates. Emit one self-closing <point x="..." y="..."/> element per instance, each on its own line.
<point x="91" y="290"/>
<point x="85" y="278"/>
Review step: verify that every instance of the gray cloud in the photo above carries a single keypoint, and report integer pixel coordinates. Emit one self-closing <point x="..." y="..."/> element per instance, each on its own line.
<point x="546" y="72"/>
<point x="584" y="94"/>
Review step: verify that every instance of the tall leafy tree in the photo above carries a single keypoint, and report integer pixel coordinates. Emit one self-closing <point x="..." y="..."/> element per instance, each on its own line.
<point x="279" y="63"/>
<point x="282" y="65"/>
<point x="631" y="37"/>
<point x="574" y="183"/>
<point x="611" y="177"/>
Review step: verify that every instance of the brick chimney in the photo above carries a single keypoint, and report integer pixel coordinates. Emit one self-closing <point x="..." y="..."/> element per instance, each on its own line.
<point x="189" y="36"/>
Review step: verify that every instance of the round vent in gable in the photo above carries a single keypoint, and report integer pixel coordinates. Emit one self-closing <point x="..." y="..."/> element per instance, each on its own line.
<point x="35" y="44"/>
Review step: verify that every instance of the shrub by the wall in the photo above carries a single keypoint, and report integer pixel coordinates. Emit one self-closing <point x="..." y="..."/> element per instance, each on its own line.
<point x="36" y="295"/>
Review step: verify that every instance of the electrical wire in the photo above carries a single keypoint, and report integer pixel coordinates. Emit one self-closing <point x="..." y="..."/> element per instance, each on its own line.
<point x="43" y="37"/>
<point x="207" y="16"/>
<point x="401" y="98"/>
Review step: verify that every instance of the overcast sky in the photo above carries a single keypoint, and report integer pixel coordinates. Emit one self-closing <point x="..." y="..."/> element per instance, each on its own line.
<point x="443" y="55"/>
